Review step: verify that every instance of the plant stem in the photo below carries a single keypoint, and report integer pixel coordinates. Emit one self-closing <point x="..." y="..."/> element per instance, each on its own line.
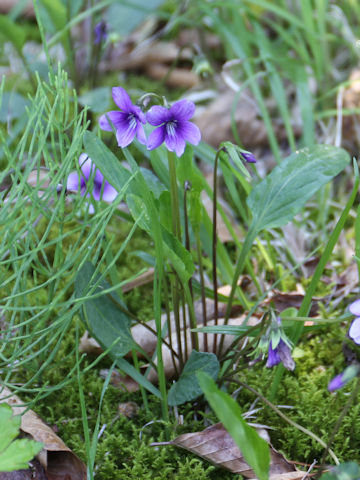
<point x="202" y="286"/>
<point x="214" y="242"/>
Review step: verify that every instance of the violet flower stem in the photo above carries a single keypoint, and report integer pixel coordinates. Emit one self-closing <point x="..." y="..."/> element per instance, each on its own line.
<point x="176" y="230"/>
<point x="202" y="286"/>
<point x="214" y="242"/>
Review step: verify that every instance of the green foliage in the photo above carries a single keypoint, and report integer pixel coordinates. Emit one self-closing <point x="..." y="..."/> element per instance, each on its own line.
<point x="281" y="195"/>
<point x="14" y="454"/>
<point x="187" y="387"/>
<point x="254" y="449"/>
<point x="13" y="32"/>
<point x="101" y="315"/>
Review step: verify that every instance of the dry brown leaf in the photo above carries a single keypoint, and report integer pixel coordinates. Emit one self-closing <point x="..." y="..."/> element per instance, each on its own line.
<point x="217" y="446"/>
<point x="174" y="77"/>
<point x="128" y="409"/>
<point x="142" y="279"/>
<point x="283" y="300"/>
<point x="58" y="460"/>
<point x="7" y="5"/>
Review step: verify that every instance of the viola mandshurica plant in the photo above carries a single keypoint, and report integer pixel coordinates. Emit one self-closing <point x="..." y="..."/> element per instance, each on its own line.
<point x="100" y="188"/>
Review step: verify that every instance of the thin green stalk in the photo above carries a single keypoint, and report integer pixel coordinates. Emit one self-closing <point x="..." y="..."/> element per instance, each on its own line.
<point x="249" y="239"/>
<point x="202" y="286"/>
<point x="214" y="242"/>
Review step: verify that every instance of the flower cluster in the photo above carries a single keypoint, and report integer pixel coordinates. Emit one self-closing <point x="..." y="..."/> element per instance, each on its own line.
<point x="101" y="188"/>
<point x="354" y="333"/>
<point x="173" y="126"/>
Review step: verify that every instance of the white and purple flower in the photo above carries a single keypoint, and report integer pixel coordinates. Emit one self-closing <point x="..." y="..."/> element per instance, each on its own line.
<point x="128" y="122"/>
<point x="101" y="188"/>
<point x="354" y="330"/>
<point x="174" y="127"/>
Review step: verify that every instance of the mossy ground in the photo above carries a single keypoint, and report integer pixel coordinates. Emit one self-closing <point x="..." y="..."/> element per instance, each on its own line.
<point x="124" y="449"/>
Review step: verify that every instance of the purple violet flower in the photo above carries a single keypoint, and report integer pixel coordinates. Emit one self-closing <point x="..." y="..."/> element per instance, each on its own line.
<point x="248" y="157"/>
<point x="128" y="122"/>
<point x="281" y="353"/>
<point x="174" y="127"/>
<point x="343" y="378"/>
<point x="100" y="32"/>
<point x="102" y="190"/>
<point x="354" y="330"/>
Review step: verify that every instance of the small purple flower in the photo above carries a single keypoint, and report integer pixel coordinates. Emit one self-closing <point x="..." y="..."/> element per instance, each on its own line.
<point x="248" y="157"/>
<point x="174" y="127"/>
<point x="128" y="122"/>
<point x="102" y="190"/>
<point x="354" y="330"/>
<point x="281" y="353"/>
<point x="100" y="32"/>
<point x="343" y="378"/>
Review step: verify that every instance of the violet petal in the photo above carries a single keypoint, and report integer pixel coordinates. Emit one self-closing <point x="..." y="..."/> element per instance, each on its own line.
<point x="336" y="383"/>
<point x="122" y="99"/>
<point x="190" y="132"/>
<point x="119" y="120"/>
<point x="156" y="138"/>
<point x="125" y="135"/>
<point x="109" y="193"/>
<point x="354" y="308"/>
<point x="175" y="143"/>
<point x="354" y="331"/>
<point x="182" y="110"/>
<point x="140" y="134"/>
<point x="72" y="182"/>
<point x="157" y="115"/>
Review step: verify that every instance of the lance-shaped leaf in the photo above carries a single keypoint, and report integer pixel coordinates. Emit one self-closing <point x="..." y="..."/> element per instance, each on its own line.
<point x="105" y="321"/>
<point x="282" y="194"/>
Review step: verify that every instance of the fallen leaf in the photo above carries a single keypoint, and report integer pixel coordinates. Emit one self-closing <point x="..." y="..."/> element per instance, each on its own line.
<point x="283" y="300"/>
<point x="59" y="461"/>
<point x="217" y="446"/>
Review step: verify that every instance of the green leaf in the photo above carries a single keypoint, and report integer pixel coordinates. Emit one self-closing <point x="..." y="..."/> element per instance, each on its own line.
<point x="105" y="321"/>
<point x="107" y="163"/>
<point x="187" y="387"/>
<point x="12" y="32"/>
<point x="281" y="195"/>
<point x="14" y="454"/>
<point x="123" y="17"/>
<point x="177" y="254"/>
<point x="254" y="449"/>
<point x="56" y="11"/>
<point x="97" y="99"/>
